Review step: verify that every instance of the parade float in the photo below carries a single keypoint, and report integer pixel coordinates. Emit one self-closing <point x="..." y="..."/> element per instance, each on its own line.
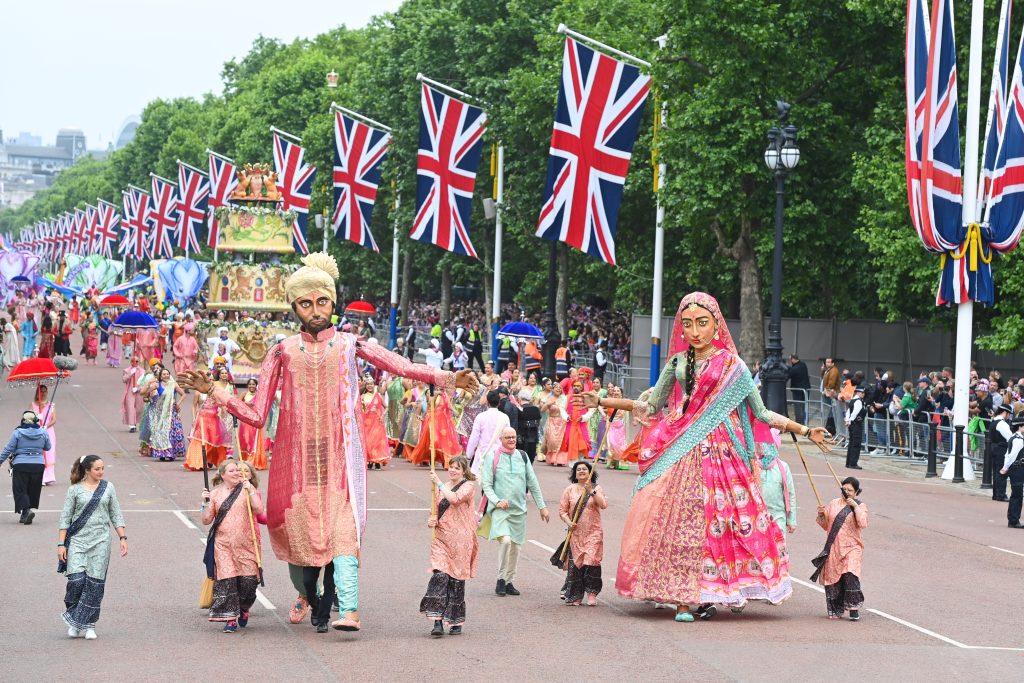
<point x="250" y="223"/>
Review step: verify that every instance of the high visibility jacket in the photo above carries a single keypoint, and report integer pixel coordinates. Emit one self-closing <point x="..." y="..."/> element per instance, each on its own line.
<point x="562" y="361"/>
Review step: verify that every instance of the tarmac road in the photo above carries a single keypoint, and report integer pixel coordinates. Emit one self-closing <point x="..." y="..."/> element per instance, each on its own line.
<point x="941" y="578"/>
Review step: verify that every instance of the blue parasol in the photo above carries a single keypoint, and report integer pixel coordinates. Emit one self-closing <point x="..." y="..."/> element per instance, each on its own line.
<point x="520" y="329"/>
<point x="134" y="320"/>
<point x="20" y="279"/>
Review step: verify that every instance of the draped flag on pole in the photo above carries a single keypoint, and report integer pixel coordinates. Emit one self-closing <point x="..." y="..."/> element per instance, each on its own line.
<point x="600" y="104"/>
<point x="1004" y="212"/>
<point x="162" y="216"/>
<point x="296" y="185"/>
<point x="451" y="142"/>
<point x="997" y="100"/>
<point x="134" y="223"/>
<point x="359" y="152"/>
<point x="193" y="193"/>
<point x="223" y="182"/>
<point x="107" y="224"/>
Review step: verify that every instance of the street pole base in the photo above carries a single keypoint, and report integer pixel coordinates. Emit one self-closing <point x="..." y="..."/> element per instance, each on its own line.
<point x="986" y="487"/>
<point x="958" y="480"/>
<point x="929" y="475"/>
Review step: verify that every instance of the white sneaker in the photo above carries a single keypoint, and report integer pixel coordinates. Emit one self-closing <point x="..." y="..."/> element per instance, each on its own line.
<point x="90" y="634"/>
<point x="74" y="632"/>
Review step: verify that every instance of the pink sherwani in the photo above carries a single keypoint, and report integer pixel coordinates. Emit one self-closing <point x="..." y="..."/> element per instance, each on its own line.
<point x="316" y="494"/>
<point x="848" y="548"/>
<point x="486" y="436"/>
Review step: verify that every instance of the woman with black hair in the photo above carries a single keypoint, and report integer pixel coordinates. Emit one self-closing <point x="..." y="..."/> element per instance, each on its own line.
<point x="839" y="562"/>
<point x="580" y="509"/>
<point x="83" y="543"/>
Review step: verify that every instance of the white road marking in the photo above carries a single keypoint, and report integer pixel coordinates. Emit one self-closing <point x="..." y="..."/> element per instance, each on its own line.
<point x="915" y="627"/>
<point x="542" y="546"/>
<point x="263" y="600"/>
<point x="184" y="520"/>
<point x="1004" y="550"/>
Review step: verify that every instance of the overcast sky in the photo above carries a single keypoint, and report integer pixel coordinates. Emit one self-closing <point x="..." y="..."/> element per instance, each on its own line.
<point x="92" y="64"/>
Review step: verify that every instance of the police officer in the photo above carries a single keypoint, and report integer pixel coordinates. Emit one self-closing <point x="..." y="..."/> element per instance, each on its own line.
<point x="1013" y="467"/>
<point x="855" y="427"/>
<point x="997" y="439"/>
<point x="475" y="347"/>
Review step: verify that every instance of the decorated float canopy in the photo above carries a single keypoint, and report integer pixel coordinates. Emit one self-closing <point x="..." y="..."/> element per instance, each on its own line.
<point x="140" y="280"/>
<point x="251" y="221"/>
<point x="85" y="272"/>
<point x="253" y="338"/>
<point x="63" y="289"/>
<point x="15" y="264"/>
<point x="178" y="279"/>
<point x="248" y="286"/>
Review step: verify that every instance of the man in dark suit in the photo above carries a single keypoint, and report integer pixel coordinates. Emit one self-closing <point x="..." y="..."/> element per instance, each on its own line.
<point x="799" y="387"/>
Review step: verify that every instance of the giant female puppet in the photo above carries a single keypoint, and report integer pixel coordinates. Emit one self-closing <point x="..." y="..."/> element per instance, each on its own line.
<point x="316" y="494"/>
<point x="698" y="532"/>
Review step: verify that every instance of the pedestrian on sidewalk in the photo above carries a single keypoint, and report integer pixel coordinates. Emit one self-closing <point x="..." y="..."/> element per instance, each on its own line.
<point x="25" y="448"/>
<point x="232" y="556"/>
<point x="580" y="509"/>
<point x="838" y="564"/>
<point x="507" y="475"/>
<point x="453" y="550"/>
<point x="83" y="543"/>
<point x="1013" y="468"/>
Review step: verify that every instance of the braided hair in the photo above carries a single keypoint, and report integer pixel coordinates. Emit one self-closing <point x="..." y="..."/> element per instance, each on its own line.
<point x="691" y="376"/>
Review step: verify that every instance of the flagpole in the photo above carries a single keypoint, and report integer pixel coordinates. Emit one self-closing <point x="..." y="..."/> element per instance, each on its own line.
<point x="458" y="93"/>
<point x="499" y="198"/>
<point x="562" y="28"/>
<point x="275" y="129"/>
<point x="659" y="243"/>
<point x="393" y="312"/>
<point x="965" y="310"/>
<point x="359" y="117"/>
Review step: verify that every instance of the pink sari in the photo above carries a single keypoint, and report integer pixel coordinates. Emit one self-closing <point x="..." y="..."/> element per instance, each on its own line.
<point x="698" y="530"/>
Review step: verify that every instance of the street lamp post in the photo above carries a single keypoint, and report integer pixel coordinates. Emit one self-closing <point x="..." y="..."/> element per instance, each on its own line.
<point x="552" y="337"/>
<point x="781" y="156"/>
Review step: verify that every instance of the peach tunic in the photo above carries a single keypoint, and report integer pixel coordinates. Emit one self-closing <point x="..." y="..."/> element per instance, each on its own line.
<point x="848" y="548"/>
<point x="587" y="542"/>
<point x="455" y="546"/>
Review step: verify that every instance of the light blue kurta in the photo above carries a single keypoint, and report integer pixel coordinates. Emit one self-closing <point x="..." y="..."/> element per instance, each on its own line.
<point x="774" y="498"/>
<point x="513" y="477"/>
<point x="89" y="550"/>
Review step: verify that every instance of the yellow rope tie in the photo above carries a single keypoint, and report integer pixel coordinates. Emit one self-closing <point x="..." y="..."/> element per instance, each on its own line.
<point x="973" y="247"/>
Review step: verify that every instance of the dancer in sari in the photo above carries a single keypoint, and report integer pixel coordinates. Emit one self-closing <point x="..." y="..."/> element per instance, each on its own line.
<point x="395" y="412"/>
<point x="46" y="337"/>
<point x="445" y="443"/>
<point x="375" y="440"/>
<point x="250" y="439"/>
<point x="131" y="400"/>
<point x="209" y="430"/>
<point x="586" y="546"/>
<point x="453" y="550"/>
<point x="10" y="353"/>
<point x="554" y="408"/>
<point x="47" y="413"/>
<point x="576" y="441"/>
<point x="91" y="333"/>
<point x="114" y="349"/>
<point x="616" y="443"/>
<point x="233" y="555"/>
<point x="597" y="423"/>
<point x="839" y="563"/>
<point x="83" y="543"/>
<point x="415" y="402"/>
<point x="698" y="531"/>
<point x="167" y="438"/>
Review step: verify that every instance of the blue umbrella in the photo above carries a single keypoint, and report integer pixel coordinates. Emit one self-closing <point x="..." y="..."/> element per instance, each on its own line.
<point x="20" y="278"/>
<point x="520" y="329"/>
<point x="134" y="320"/>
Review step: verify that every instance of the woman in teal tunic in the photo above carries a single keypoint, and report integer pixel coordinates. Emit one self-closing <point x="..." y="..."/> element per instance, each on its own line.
<point x="83" y="543"/>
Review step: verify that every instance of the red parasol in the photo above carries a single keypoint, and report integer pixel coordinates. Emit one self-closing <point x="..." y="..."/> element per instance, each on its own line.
<point x="115" y="300"/>
<point x="35" y="371"/>
<point x="364" y="307"/>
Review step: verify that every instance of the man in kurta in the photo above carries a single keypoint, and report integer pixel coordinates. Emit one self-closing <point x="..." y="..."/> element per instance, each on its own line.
<point x="507" y="474"/>
<point x="316" y="497"/>
<point x="486" y="433"/>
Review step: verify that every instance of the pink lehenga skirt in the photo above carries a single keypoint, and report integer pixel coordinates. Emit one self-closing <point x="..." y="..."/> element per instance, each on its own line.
<point x="700" y="533"/>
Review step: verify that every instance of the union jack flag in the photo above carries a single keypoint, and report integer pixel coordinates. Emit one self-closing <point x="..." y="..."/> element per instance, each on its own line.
<point x="996" y="122"/>
<point x="451" y="141"/>
<point x="134" y="223"/>
<point x="78" y="233"/>
<point x="91" y="218"/>
<point x="600" y="104"/>
<point x="918" y="37"/>
<point x="222" y="183"/>
<point x="296" y="186"/>
<point x="1005" y="207"/>
<point x="193" y="192"/>
<point x="162" y="216"/>
<point x="107" y="223"/>
<point x="359" y="151"/>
